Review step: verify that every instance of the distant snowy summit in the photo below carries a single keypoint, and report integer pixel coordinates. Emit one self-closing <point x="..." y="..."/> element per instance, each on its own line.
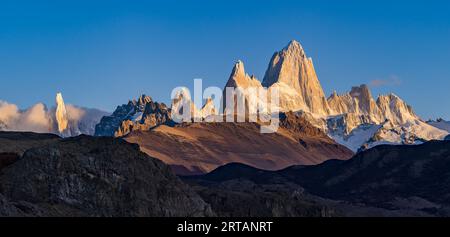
<point x="64" y="120"/>
<point x="354" y="119"/>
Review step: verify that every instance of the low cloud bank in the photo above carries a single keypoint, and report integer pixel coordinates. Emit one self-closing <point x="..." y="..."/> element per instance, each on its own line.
<point x="38" y="118"/>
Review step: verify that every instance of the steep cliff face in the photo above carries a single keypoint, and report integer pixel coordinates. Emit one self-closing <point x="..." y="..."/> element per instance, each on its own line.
<point x="293" y="74"/>
<point x="358" y="101"/>
<point x="208" y="109"/>
<point x="246" y="91"/>
<point x="61" y="114"/>
<point x="183" y="109"/>
<point x="239" y="78"/>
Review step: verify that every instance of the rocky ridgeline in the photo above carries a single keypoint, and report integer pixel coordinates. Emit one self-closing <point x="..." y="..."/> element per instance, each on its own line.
<point x="354" y="119"/>
<point x="89" y="176"/>
<point x="141" y="114"/>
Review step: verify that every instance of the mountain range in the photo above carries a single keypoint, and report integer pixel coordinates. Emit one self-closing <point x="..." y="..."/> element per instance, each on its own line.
<point x="355" y="120"/>
<point x="344" y="155"/>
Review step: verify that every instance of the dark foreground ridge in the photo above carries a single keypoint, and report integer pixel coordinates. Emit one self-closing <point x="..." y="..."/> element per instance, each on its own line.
<point x="45" y="175"/>
<point x="92" y="176"/>
<point x="383" y="181"/>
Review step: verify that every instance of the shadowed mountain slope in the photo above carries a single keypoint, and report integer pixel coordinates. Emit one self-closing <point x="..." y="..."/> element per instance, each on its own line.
<point x="198" y="148"/>
<point x="383" y="181"/>
<point x="92" y="176"/>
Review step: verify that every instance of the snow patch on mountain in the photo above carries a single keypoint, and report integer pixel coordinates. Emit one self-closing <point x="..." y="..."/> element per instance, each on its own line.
<point x="354" y="119"/>
<point x="137" y="115"/>
<point x="400" y="125"/>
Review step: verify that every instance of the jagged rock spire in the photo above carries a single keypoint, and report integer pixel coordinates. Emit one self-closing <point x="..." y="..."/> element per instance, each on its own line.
<point x="61" y="114"/>
<point x="293" y="73"/>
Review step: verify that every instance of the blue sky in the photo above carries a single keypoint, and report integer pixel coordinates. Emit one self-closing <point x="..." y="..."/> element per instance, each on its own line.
<point x="102" y="53"/>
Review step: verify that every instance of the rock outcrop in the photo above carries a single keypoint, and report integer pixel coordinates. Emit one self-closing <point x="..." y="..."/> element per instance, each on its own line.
<point x="61" y="114"/>
<point x="293" y="74"/>
<point x="94" y="176"/>
<point x="360" y="121"/>
<point x="243" y="197"/>
<point x="246" y="89"/>
<point x="209" y="109"/>
<point x="183" y="109"/>
<point x="360" y="103"/>
<point x="141" y="114"/>
<point x="18" y="142"/>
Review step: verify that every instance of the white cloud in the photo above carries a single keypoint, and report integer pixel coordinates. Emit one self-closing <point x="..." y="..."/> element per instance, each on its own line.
<point x="8" y="112"/>
<point x="392" y="80"/>
<point x="35" y="119"/>
<point x="42" y="120"/>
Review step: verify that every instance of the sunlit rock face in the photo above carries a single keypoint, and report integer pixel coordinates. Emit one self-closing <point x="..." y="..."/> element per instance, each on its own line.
<point x="359" y="104"/>
<point x="395" y="109"/>
<point x="183" y="109"/>
<point x="293" y="74"/>
<point x="72" y="120"/>
<point x="354" y="119"/>
<point x="208" y="109"/>
<point x="61" y="114"/>
<point x="360" y="121"/>
<point x="246" y="89"/>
